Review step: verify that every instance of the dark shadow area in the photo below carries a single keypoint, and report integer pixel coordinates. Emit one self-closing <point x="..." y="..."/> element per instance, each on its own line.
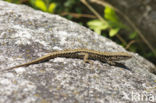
<point x="121" y="65"/>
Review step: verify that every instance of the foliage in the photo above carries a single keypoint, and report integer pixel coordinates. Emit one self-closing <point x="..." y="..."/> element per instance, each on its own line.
<point x="14" y="1"/>
<point x="44" y="6"/>
<point x="97" y="25"/>
<point x="111" y="23"/>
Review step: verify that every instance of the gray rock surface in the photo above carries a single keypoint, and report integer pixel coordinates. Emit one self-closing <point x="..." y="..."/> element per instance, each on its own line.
<point x="26" y="34"/>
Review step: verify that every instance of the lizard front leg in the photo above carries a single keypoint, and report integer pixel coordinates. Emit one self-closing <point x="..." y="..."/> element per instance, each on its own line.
<point x="85" y="57"/>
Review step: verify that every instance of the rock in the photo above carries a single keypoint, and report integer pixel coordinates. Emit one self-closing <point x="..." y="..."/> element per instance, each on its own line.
<point x="27" y="34"/>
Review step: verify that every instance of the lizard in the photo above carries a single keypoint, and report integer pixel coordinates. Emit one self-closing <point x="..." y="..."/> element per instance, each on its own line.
<point x="85" y="54"/>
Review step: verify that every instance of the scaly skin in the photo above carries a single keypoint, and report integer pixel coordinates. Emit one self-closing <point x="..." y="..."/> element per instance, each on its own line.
<point x="85" y="54"/>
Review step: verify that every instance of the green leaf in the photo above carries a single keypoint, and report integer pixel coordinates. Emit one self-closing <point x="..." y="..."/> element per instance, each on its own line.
<point x="112" y="18"/>
<point x="133" y="35"/>
<point x="41" y="5"/>
<point x="97" y="25"/>
<point x="110" y="14"/>
<point x="113" y="32"/>
<point x="52" y="7"/>
<point x="13" y="1"/>
<point x="9" y="1"/>
<point x="32" y="2"/>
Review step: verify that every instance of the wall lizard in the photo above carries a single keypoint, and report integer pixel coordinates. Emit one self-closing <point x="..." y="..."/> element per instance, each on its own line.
<point x="85" y="54"/>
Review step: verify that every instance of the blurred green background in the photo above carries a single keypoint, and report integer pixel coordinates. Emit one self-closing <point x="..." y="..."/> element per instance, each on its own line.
<point x="105" y="22"/>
